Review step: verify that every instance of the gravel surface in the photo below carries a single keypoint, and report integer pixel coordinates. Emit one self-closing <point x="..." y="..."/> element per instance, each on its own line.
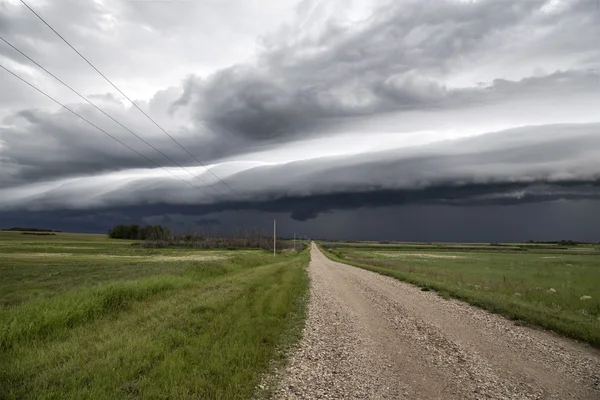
<point x="369" y="336"/>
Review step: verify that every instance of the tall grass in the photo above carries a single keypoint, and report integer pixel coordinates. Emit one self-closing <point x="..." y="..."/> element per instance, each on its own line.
<point x="49" y="317"/>
<point x="196" y="329"/>
<point x="534" y="289"/>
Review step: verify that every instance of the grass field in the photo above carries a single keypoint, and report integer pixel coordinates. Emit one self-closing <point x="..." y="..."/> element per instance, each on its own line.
<point x="550" y="286"/>
<point x="83" y="316"/>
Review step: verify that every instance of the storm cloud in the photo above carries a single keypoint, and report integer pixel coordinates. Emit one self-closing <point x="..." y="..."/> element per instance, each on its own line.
<point x="405" y="56"/>
<point x="502" y="167"/>
<point x="338" y="106"/>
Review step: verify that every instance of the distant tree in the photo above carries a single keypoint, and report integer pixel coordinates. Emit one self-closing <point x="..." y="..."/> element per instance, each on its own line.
<point x="117" y="232"/>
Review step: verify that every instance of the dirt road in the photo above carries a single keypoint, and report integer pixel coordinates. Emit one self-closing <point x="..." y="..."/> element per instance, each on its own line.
<point x="372" y="337"/>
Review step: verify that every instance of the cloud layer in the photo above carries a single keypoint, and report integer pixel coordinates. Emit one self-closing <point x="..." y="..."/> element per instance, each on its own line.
<point x="338" y="107"/>
<point x="502" y="167"/>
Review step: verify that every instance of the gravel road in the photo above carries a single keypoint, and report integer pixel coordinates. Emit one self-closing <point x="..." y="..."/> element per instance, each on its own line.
<point x="372" y="337"/>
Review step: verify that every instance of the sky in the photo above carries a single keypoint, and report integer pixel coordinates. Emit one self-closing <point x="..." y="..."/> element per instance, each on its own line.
<point x="445" y="120"/>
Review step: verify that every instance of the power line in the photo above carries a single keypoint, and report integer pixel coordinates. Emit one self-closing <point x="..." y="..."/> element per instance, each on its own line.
<point x="95" y="126"/>
<point x="124" y="95"/>
<point x="108" y="115"/>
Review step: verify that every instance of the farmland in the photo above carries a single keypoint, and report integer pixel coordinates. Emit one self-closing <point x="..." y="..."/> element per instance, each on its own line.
<point x="551" y="286"/>
<point x="83" y="316"/>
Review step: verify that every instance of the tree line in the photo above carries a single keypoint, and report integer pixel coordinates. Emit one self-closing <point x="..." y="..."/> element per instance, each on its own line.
<point x="137" y="232"/>
<point x="21" y="229"/>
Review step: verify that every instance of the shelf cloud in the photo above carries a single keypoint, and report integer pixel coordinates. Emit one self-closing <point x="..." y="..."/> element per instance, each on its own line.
<point x="331" y="107"/>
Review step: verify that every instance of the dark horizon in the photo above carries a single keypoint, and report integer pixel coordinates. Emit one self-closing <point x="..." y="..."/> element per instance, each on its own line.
<point x="417" y="223"/>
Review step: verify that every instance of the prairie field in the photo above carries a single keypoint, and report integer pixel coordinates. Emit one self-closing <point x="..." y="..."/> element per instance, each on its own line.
<point x="552" y="286"/>
<point x="83" y="316"/>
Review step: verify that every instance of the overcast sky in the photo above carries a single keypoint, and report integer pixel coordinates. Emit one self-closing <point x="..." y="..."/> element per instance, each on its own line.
<point x="411" y="120"/>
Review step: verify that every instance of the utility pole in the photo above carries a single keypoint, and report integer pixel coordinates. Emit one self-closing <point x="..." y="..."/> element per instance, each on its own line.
<point x="294" y="241"/>
<point x="274" y="235"/>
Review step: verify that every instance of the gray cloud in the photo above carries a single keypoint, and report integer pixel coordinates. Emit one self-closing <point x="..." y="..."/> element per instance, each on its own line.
<point x="402" y="58"/>
<point x="398" y="60"/>
<point x="45" y="146"/>
<point x="38" y="145"/>
<point x="411" y="66"/>
<point x="530" y="164"/>
<point x="41" y="145"/>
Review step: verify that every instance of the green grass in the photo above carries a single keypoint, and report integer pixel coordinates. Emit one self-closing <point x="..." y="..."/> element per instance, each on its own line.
<point x="539" y="285"/>
<point x="84" y="317"/>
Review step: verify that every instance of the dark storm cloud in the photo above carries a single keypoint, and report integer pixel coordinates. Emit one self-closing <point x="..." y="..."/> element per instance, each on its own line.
<point x="522" y="156"/>
<point x="506" y="167"/>
<point x="398" y="59"/>
<point x="411" y="56"/>
<point x="41" y="145"/>
<point x="569" y="220"/>
<point x="306" y="209"/>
